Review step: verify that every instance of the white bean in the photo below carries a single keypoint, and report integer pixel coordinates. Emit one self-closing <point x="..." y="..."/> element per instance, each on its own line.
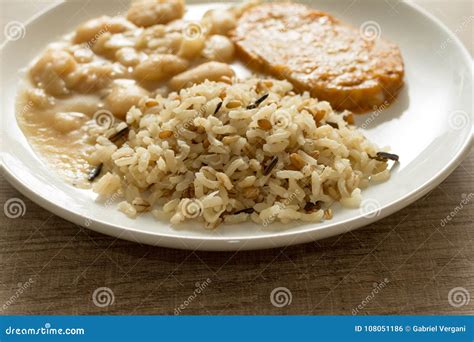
<point x="146" y="13"/>
<point x="220" y="21"/>
<point x="160" y="67"/>
<point x="127" y="56"/>
<point x="51" y="69"/>
<point x="38" y="99"/>
<point x="108" y="44"/>
<point x="219" y="48"/>
<point x="66" y="122"/>
<point x="212" y="71"/>
<point x="191" y="48"/>
<point x="91" y="30"/>
<point x="123" y="96"/>
<point x="95" y="76"/>
<point x="82" y="54"/>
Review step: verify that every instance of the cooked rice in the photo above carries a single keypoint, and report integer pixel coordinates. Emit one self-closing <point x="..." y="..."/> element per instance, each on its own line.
<point x="212" y="167"/>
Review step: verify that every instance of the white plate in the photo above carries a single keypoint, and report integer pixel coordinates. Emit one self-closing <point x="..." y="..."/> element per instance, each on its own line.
<point x="429" y="126"/>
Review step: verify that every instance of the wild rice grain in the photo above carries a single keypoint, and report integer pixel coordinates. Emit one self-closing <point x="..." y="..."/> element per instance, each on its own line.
<point x="218" y="108"/>
<point x="95" y="172"/>
<point x="246" y="211"/>
<point x="384" y="156"/>
<point x="270" y="166"/>
<point x="120" y="134"/>
<point x="310" y="206"/>
<point x="258" y="102"/>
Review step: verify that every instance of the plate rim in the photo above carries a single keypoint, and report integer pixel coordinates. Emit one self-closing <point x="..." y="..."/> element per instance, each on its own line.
<point x="270" y="239"/>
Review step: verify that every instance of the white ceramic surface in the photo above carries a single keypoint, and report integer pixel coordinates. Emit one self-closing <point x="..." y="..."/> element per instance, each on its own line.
<point x="429" y="126"/>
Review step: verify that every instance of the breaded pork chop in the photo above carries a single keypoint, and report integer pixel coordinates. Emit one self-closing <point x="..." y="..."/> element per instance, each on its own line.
<point x="318" y="53"/>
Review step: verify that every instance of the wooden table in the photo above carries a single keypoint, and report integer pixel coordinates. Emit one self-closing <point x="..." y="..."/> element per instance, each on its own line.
<point x="408" y="263"/>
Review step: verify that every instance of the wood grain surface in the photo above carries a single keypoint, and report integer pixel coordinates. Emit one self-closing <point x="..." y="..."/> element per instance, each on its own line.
<point x="404" y="264"/>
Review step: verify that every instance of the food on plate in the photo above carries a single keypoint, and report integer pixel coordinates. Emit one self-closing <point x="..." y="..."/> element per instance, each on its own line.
<point x="147" y="13"/>
<point x="222" y="21"/>
<point x="94" y="75"/>
<point x="141" y="48"/>
<point x="123" y="95"/>
<point x="211" y="71"/>
<point x="92" y="29"/>
<point x="160" y="67"/>
<point x="218" y="48"/>
<point x="250" y="150"/>
<point x="144" y="108"/>
<point x="320" y="54"/>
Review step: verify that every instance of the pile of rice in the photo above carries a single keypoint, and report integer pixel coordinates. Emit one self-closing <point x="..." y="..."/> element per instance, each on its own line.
<point x="250" y="150"/>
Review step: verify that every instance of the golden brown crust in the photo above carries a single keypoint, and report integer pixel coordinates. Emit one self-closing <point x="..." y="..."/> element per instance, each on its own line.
<point x="318" y="53"/>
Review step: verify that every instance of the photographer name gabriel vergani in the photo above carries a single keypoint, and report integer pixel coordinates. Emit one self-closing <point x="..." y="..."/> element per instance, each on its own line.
<point x="438" y="328"/>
